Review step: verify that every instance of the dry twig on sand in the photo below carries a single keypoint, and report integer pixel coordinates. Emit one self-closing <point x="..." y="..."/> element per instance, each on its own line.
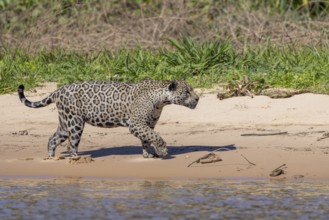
<point x="208" y="158"/>
<point x="265" y="134"/>
<point x="278" y="171"/>
<point x="248" y="160"/>
<point x="324" y="136"/>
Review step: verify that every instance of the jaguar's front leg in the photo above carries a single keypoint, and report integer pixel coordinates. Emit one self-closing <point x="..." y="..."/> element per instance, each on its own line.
<point x="149" y="136"/>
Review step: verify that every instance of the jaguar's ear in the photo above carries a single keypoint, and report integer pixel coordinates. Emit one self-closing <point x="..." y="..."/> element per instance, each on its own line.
<point x="173" y="86"/>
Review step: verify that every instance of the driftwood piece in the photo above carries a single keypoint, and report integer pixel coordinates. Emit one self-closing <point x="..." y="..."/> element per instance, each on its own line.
<point x="278" y="171"/>
<point x="242" y="87"/>
<point x="279" y="93"/>
<point x="324" y="136"/>
<point x="208" y="158"/>
<point x="265" y="134"/>
<point x="245" y="87"/>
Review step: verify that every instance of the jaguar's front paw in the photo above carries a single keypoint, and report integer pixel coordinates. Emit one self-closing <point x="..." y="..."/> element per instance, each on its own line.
<point x="51" y="154"/>
<point x="148" y="155"/>
<point x="73" y="153"/>
<point x="161" y="152"/>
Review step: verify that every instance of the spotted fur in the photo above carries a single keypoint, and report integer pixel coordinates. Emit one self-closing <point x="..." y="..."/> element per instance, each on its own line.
<point x="111" y="104"/>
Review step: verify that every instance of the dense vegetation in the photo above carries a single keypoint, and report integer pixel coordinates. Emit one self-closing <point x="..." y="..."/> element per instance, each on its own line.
<point x="276" y="43"/>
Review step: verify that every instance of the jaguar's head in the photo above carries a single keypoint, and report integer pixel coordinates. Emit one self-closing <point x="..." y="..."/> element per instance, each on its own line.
<point x="180" y="93"/>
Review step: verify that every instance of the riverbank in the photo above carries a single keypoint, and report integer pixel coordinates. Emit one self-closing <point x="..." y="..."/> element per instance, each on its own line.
<point x="252" y="136"/>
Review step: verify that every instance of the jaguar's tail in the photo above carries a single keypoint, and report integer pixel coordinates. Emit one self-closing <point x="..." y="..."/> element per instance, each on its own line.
<point x="44" y="102"/>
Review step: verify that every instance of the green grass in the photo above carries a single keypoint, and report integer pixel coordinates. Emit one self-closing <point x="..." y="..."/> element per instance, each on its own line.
<point x="201" y="64"/>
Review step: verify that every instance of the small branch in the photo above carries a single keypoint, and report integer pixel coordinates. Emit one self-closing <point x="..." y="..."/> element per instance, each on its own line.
<point x="248" y="160"/>
<point x="278" y="171"/>
<point x="324" y="136"/>
<point x="199" y="159"/>
<point x="280" y="166"/>
<point x="208" y="158"/>
<point x="155" y="30"/>
<point x="265" y="134"/>
<point x="196" y="161"/>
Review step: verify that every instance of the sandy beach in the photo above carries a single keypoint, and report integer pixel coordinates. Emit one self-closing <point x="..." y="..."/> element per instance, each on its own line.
<point x="252" y="136"/>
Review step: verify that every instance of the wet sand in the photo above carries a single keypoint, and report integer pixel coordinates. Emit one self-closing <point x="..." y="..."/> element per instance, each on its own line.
<point x="251" y="136"/>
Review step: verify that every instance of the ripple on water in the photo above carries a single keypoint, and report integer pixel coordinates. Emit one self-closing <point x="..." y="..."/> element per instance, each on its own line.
<point x="73" y="198"/>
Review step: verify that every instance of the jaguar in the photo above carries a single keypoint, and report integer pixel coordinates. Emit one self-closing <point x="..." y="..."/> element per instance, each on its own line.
<point x="108" y="104"/>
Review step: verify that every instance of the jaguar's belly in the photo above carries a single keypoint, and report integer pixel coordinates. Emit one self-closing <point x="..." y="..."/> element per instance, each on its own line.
<point x="108" y="122"/>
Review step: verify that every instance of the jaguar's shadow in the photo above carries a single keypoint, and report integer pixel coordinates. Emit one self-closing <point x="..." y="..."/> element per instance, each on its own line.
<point x="173" y="150"/>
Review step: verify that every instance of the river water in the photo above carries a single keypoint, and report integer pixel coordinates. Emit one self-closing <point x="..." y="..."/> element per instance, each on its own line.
<point x="83" y="198"/>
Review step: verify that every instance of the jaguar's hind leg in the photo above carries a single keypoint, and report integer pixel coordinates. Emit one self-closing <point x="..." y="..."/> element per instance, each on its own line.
<point x="58" y="137"/>
<point x="75" y="132"/>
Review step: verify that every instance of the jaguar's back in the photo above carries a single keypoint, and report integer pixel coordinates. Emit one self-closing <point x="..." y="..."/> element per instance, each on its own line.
<point x="103" y="104"/>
